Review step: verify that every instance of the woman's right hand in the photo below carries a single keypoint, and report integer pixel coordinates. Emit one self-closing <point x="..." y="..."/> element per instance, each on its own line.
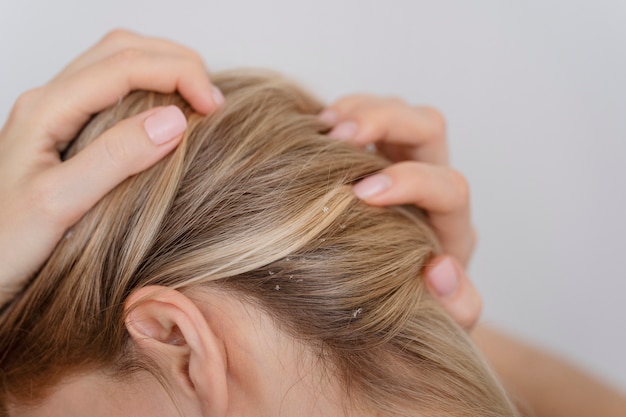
<point x="41" y="196"/>
<point x="414" y="138"/>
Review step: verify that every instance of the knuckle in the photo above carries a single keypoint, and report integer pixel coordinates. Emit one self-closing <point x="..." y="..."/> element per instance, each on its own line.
<point x="27" y="100"/>
<point x="477" y="310"/>
<point x="462" y="188"/>
<point x="194" y="56"/>
<point x="126" y="56"/>
<point x="359" y="98"/>
<point x="349" y="102"/>
<point x="117" y="152"/>
<point x="438" y="120"/>
<point x="395" y="100"/>
<point x="469" y="316"/>
<point x="26" y="108"/>
<point x="189" y="63"/>
<point x="473" y="238"/>
<point x="465" y="320"/>
<point x="116" y="36"/>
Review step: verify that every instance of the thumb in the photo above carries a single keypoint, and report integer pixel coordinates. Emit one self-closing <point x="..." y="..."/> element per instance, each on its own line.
<point x="126" y="149"/>
<point x="449" y="284"/>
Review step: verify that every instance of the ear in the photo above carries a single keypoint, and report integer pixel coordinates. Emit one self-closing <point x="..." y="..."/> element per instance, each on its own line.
<point x="168" y="327"/>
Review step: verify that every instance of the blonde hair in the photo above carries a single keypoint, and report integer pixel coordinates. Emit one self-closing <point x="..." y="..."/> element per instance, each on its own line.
<point x="256" y="200"/>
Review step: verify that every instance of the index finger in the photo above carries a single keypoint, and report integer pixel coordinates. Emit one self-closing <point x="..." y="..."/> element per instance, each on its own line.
<point x="442" y="192"/>
<point x="401" y="131"/>
<point x="68" y="103"/>
<point x="120" y="39"/>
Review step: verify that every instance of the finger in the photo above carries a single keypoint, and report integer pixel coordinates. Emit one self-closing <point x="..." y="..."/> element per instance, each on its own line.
<point x="120" y="39"/>
<point x="337" y="110"/>
<point x="69" y="103"/>
<point x="435" y="188"/>
<point x="126" y="42"/>
<point x="439" y="190"/>
<point x="403" y="132"/>
<point x="448" y="283"/>
<point x="129" y="147"/>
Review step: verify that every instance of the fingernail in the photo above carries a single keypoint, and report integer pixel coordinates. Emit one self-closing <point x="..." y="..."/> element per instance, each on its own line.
<point x="343" y="131"/>
<point x="328" y="116"/>
<point x="443" y="278"/>
<point x="165" y="125"/>
<point x="371" y="186"/>
<point x="218" y="97"/>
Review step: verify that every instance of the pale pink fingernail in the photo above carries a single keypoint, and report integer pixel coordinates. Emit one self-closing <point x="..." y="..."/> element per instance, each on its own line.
<point x="165" y="125"/>
<point x="328" y="116"/>
<point x="343" y="131"/>
<point x="443" y="278"/>
<point x="218" y="97"/>
<point x="371" y="186"/>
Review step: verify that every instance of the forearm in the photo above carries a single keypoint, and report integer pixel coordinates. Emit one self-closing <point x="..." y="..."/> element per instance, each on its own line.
<point x="544" y="384"/>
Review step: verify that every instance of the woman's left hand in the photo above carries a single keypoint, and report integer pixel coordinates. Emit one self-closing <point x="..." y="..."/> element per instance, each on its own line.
<point x="414" y="138"/>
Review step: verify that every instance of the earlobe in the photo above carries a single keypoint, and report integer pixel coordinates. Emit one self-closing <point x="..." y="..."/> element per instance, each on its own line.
<point x="168" y="327"/>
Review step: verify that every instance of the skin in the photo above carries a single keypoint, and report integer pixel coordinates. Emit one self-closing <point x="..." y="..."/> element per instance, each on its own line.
<point x="249" y="366"/>
<point x="43" y="196"/>
<point x="543" y="384"/>
<point x="42" y="182"/>
<point x="414" y="137"/>
<point x="222" y="357"/>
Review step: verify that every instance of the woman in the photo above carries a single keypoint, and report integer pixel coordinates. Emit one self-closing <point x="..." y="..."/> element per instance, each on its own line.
<point x="394" y="186"/>
<point x="41" y="197"/>
<point x="251" y="222"/>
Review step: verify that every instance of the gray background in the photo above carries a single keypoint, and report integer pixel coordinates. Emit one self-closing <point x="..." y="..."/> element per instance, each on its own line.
<point x="534" y="92"/>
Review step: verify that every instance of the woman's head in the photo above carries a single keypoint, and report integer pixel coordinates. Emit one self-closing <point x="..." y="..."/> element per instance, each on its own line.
<point x="242" y="268"/>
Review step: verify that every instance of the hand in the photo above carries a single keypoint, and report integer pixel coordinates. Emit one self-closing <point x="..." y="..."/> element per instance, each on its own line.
<point x="40" y="196"/>
<point x="414" y="138"/>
